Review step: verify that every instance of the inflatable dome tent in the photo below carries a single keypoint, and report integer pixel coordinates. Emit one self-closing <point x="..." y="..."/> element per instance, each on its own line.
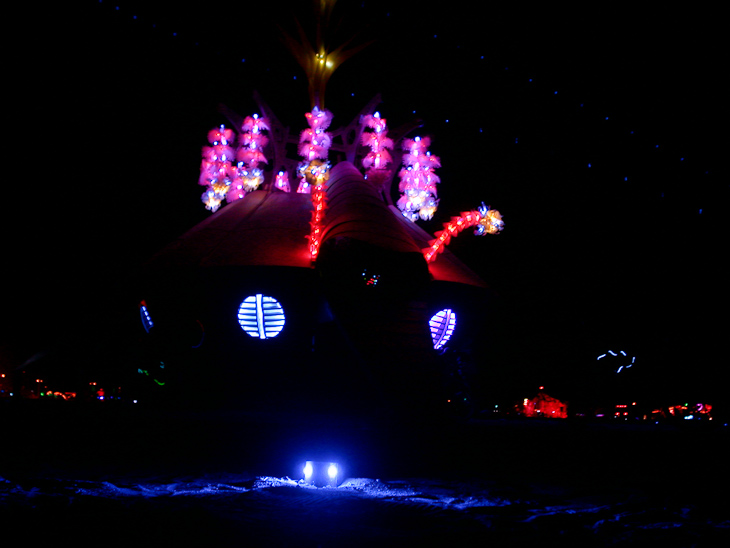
<point x="314" y="286"/>
<point x="307" y="287"/>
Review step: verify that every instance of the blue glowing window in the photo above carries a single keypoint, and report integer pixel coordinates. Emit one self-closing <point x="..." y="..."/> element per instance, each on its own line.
<point x="442" y="327"/>
<point x="261" y="317"/>
<point x="144" y="315"/>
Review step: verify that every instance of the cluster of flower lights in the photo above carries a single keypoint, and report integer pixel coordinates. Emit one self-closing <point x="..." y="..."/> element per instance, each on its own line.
<point x="227" y="173"/>
<point x="330" y="60"/>
<point x="486" y="221"/>
<point x="227" y="180"/>
<point x="418" y="180"/>
<point x="378" y="160"/>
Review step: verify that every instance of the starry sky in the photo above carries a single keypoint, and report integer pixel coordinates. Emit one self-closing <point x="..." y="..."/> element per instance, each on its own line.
<point x="597" y="133"/>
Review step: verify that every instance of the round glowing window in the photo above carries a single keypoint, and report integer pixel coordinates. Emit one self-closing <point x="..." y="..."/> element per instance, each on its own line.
<point x="442" y="327"/>
<point x="261" y="316"/>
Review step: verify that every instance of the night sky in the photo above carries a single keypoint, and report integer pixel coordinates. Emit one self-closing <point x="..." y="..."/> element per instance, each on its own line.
<point x="596" y="133"/>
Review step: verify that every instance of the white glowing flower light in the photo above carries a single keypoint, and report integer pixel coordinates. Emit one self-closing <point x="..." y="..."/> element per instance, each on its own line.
<point x="226" y="173"/>
<point x="282" y="181"/>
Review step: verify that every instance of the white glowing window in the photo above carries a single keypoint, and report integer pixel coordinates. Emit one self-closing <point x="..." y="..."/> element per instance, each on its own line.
<point x="144" y="315"/>
<point x="261" y="316"/>
<point x="442" y="327"/>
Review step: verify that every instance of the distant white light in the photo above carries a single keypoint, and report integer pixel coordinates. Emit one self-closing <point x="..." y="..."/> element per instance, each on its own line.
<point x="442" y="326"/>
<point x="261" y="316"/>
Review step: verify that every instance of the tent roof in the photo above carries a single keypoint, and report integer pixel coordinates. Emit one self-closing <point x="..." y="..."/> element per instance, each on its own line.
<point x="263" y="228"/>
<point x="271" y="228"/>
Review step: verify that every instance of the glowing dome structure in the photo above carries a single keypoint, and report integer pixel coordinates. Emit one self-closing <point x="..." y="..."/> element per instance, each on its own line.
<point x="311" y="279"/>
<point x="323" y="282"/>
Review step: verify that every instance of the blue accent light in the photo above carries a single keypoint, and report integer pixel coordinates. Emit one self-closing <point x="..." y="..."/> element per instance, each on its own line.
<point x="144" y="314"/>
<point x="624" y="362"/>
<point x="261" y="316"/>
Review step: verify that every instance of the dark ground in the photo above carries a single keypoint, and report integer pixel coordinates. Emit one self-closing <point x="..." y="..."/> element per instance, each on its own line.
<point x="106" y="475"/>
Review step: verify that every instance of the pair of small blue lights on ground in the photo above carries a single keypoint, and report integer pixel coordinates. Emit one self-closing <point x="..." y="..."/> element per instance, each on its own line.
<point x="321" y="474"/>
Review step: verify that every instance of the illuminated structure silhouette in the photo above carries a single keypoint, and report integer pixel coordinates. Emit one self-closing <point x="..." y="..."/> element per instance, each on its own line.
<point x="313" y="282"/>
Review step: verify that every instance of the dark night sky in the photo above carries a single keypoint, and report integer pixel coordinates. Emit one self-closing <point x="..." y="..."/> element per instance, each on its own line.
<point x="597" y="135"/>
